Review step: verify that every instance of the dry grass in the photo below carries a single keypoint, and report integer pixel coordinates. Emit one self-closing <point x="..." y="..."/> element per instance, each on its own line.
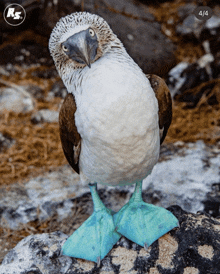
<point x="36" y="146"/>
<point x="201" y="122"/>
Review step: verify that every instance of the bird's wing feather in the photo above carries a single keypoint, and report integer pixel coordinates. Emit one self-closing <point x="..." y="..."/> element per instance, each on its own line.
<point x="70" y="138"/>
<point x="163" y="96"/>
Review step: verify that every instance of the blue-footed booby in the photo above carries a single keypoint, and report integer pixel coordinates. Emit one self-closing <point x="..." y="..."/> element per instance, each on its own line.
<point x="112" y="123"/>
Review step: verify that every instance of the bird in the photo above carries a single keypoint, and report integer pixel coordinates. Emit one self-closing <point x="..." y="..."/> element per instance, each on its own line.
<point x="112" y="122"/>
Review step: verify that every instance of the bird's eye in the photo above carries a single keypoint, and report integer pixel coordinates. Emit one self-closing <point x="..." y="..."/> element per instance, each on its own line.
<point x="64" y="48"/>
<point x="91" y="32"/>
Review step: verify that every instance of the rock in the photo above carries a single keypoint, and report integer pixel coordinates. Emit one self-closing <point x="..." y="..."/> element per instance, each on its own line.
<point x="16" y="99"/>
<point x="45" y="115"/>
<point x="213" y="25"/>
<point x="143" y="40"/>
<point x="191" y="27"/>
<point x="58" y="89"/>
<point x="40" y="255"/>
<point x="9" y="69"/>
<point x="176" y="78"/>
<point x="191" y="170"/>
<point x="3" y="71"/>
<point x="212" y="201"/>
<point x="194" y="247"/>
<point x="25" y="53"/>
<point x="37" y="92"/>
<point x="130" y="8"/>
<point x="186" y="76"/>
<point x="147" y="2"/>
<point x="186" y="10"/>
<point x="5" y="141"/>
<point x="189" y="174"/>
<point x="40" y="198"/>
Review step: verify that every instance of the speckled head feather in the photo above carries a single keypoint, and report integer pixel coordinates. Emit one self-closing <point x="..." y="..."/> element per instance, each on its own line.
<point x="76" y="22"/>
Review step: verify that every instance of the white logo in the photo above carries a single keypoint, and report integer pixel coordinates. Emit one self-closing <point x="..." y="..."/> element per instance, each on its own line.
<point x="14" y="14"/>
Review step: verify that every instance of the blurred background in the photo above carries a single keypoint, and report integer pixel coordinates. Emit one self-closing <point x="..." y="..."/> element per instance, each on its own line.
<point x="165" y="38"/>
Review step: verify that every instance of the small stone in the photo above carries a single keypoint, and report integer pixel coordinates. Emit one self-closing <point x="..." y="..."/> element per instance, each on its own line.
<point x="213" y="22"/>
<point x="59" y="90"/>
<point x="130" y="37"/>
<point x="45" y="115"/>
<point x="50" y="96"/>
<point x="206" y="46"/>
<point x="175" y="78"/>
<point x="205" y="60"/>
<point x="77" y="2"/>
<point x="168" y="32"/>
<point x="25" y="52"/>
<point x="16" y="100"/>
<point x="191" y="27"/>
<point x="5" y="142"/>
<point x="186" y="10"/>
<point x="19" y="58"/>
<point x="179" y="143"/>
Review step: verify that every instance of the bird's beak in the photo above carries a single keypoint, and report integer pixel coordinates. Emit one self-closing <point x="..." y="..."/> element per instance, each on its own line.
<point x="81" y="47"/>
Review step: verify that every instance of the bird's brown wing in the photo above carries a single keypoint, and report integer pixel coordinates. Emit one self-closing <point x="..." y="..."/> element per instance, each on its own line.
<point x="164" y="102"/>
<point x="70" y="138"/>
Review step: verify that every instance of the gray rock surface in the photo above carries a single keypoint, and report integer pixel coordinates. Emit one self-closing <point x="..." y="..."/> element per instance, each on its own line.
<point x="191" y="27"/>
<point x="16" y="99"/>
<point x="185" y="176"/>
<point x="185" y="10"/>
<point x="129" y="8"/>
<point x="45" y="115"/>
<point x="36" y="254"/>
<point x="194" y="247"/>
<point x="142" y="37"/>
<point x="191" y="170"/>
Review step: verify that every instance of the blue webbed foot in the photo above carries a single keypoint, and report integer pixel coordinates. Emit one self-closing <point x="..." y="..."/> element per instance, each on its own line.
<point x="96" y="236"/>
<point x="143" y="223"/>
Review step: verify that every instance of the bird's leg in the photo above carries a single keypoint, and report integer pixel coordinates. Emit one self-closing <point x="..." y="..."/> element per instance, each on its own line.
<point x="96" y="236"/>
<point x="143" y="223"/>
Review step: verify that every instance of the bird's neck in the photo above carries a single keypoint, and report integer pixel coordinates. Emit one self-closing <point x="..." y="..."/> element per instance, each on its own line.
<point x="114" y="57"/>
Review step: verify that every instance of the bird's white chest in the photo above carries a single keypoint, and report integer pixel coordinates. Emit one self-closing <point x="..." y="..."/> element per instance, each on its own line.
<point x="117" y="118"/>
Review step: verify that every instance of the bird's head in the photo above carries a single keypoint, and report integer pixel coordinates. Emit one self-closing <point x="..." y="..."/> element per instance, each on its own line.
<point x="79" y="39"/>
